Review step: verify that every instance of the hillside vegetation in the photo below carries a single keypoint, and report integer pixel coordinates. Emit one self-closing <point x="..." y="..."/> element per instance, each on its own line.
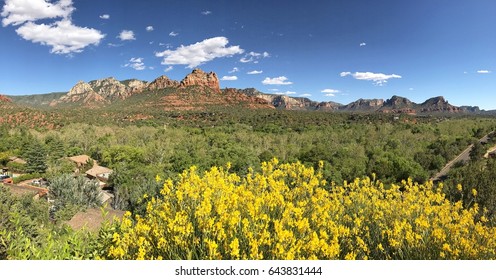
<point x="344" y="185"/>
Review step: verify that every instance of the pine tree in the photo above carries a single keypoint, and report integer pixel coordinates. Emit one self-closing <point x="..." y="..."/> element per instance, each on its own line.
<point x="55" y="148"/>
<point x="36" y="158"/>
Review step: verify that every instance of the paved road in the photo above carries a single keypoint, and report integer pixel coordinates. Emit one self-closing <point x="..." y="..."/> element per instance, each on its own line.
<point x="462" y="157"/>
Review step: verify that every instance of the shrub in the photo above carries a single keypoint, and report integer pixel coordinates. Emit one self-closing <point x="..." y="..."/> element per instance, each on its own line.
<point x="288" y="211"/>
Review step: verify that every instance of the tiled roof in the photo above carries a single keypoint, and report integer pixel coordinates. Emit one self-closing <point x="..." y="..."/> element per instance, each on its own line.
<point x="82" y="159"/>
<point x="97" y="170"/>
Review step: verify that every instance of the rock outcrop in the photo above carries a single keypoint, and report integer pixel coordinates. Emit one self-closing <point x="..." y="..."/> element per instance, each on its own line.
<point x="288" y="102"/>
<point x="438" y="104"/>
<point x="5" y="99"/>
<point x="162" y="82"/>
<point x="81" y="93"/>
<point x="471" y="109"/>
<point x="364" y="105"/>
<point x="328" y="106"/>
<point x="200" y="78"/>
<point x="135" y="86"/>
<point x="110" y="88"/>
<point x="398" y="102"/>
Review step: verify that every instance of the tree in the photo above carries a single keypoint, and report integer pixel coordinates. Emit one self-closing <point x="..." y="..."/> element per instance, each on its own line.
<point x="55" y="147"/>
<point x="477" y="151"/>
<point x="36" y="158"/>
<point x="67" y="190"/>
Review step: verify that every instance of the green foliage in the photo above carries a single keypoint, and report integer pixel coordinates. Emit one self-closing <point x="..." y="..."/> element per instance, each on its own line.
<point x="36" y="158"/>
<point x="55" y="148"/>
<point x="123" y="153"/>
<point x="25" y="177"/>
<point x="16" y="167"/>
<point x="67" y="190"/>
<point x="350" y="146"/>
<point x="128" y="195"/>
<point x="478" y="150"/>
<point x="4" y="158"/>
<point x="59" y="167"/>
<point x="479" y="175"/>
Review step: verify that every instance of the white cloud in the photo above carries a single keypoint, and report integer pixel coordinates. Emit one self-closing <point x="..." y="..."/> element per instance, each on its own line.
<point x="168" y="46"/>
<point x="330" y="92"/>
<point x="378" y="78"/>
<point x="253" y="57"/>
<point x="305" y="95"/>
<point x="276" y="81"/>
<point x="16" y="12"/>
<point x="245" y="60"/>
<point x="199" y="53"/>
<point x="62" y="36"/>
<point x="206" y="13"/>
<point x="114" y="45"/>
<point x="149" y="28"/>
<point x="105" y="16"/>
<point x="126" y="35"/>
<point x="173" y="34"/>
<point x="234" y="70"/>
<point x="255" y="72"/>
<point x="136" y="63"/>
<point x="363" y="44"/>
<point x="169" y="69"/>
<point x="483" y="71"/>
<point x="229" y="78"/>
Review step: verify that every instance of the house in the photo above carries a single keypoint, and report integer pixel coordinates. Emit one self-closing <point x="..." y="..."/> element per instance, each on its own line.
<point x="21" y="190"/>
<point x="93" y="218"/>
<point x="81" y="161"/>
<point x="14" y="164"/>
<point x="17" y="160"/>
<point x="99" y="173"/>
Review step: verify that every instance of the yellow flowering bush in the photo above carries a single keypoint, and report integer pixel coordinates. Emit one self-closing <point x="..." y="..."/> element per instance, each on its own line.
<point x="288" y="211"/>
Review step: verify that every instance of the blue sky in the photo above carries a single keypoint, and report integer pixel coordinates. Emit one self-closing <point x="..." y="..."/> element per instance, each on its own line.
<point x="325" y="50"/>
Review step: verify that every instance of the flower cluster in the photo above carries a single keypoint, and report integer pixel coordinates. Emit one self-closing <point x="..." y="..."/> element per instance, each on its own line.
<point x="288" y="211"/>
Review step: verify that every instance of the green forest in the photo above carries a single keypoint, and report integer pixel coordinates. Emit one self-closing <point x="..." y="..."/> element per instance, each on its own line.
<point x="301" y="159"/>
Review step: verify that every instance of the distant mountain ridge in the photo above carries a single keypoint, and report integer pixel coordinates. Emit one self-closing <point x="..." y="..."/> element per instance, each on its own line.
<point x="199" y="89"/>
<point x="396" y="104"/>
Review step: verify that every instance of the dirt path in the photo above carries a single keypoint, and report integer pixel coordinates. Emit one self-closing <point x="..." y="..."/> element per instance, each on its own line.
<point x="462" y="157"/>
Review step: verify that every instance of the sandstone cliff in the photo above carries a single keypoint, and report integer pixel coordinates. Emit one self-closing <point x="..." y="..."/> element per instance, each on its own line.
<point x="162" y="82"/>
<point x="200" y="78"/>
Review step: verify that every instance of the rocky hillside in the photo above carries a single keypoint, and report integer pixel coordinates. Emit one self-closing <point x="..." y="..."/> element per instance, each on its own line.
<point x="200" y="89"/>
<point x="197" y="90"/>
<point x="6" y="102"/>
<point x="200" y="78"/>
<point x="396" y="104"/>
<point x="291" y="103"/>
<point x="5" y="99"/>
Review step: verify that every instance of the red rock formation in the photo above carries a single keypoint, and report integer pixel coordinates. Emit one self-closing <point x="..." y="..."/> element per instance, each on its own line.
<point x="199" y="78"/>
<point x="162" y="82"/>
<point x="5" y="99"/>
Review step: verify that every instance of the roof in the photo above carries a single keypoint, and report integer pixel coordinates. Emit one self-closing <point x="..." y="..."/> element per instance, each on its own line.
<point x="97" y="170"/>
<point x="17" y="160"/>
<point x="81" y="159"/>
<point x="92" y="219"/>
<point x="105" y="196"/>
<point x="20" y="190"/>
